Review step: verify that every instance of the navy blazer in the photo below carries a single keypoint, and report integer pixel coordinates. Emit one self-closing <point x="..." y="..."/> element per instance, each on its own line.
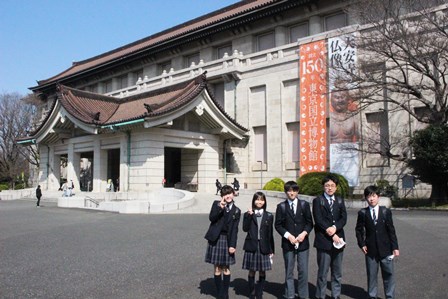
<point x="250" y="226"/>
<point x="218" y="220"/>
<point x="285" y="221"/>
<point x="380" y="239"/>
<point x="323" y="219"/>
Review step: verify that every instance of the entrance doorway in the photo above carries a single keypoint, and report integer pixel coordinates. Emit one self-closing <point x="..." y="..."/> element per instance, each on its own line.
<point x="172" y="163"/>
<point x="113" y="167"/>
<point x="86" y="172"/>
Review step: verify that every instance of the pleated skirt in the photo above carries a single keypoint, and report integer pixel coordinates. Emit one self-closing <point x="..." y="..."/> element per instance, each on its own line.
<point x="218" y="254"/>
<point x="256" y="261"/>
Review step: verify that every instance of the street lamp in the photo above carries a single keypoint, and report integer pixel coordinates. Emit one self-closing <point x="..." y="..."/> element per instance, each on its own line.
<point x="261" y="174"/>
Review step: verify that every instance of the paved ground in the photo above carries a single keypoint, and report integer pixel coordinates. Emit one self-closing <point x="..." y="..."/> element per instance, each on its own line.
<point x="50" y="252"/>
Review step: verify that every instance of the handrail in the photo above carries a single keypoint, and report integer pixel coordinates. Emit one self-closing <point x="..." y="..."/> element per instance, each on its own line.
<point x="92" y="200"/>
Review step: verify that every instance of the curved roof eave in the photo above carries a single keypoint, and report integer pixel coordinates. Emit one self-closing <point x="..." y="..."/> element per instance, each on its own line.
<point x="203" y="103"/>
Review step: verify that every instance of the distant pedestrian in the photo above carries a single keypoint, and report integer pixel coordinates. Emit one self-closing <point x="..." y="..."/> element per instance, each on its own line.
<point x="38" y="195"/>
<point x="218" y="186"/>
<point x="109" y="186"/>
<point x="71" y="187"/>
<point x="259" y="244"/>
<point x="222" y="238"/>
<point x="375" y="233"/>
<point x="65" y="189"/>
<point x="236" y="186"/>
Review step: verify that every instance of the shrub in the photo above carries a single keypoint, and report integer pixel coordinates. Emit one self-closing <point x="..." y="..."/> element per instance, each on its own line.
<point x="4" y="186"/>
<point x="311" y="184"/>
<point x="386" y="189"/>
<point x="19" y="186"/>
<point x="275" y="184"/>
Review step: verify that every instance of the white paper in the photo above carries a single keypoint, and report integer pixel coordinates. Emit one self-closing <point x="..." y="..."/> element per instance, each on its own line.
<point x="340" y="244"/>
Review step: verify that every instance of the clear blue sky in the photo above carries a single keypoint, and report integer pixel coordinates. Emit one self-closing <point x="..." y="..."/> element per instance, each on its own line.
<point x="41" y="38"/>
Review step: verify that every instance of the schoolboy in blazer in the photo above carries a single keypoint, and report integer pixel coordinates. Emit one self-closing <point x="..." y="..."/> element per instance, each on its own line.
<point x="329" y="222"/>
<point x="375" y="233"/>
<point x="294" y="222"/>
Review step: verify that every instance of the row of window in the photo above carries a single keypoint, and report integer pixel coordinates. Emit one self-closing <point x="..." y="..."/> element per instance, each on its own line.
<point x="263" y="41"/>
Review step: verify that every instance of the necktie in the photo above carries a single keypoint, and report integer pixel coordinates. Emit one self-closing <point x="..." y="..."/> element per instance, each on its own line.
<point x="258" y="214"/>
<point x="292" y="208"/>
<point x="331" y="204"/>
<point x="374" y="216"/>
<point x="227" y="208"/>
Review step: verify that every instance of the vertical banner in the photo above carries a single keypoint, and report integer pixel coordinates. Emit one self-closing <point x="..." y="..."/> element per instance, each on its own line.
<point x="313" y="99"/>
<point x="344" y="123"/>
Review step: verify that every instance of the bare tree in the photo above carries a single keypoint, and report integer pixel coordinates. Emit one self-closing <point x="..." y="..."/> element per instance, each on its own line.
<point x="401" y="72"/>
<point x="16" y="118"/>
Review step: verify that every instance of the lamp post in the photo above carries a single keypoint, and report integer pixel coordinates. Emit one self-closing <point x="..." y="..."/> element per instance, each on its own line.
<point x="261" y="174"/>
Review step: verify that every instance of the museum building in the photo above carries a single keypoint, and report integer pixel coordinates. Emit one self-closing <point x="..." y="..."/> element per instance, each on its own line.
<point x="217" y="97"/>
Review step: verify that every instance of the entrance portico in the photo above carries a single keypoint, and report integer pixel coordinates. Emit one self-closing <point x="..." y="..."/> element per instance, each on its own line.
<point x="132" y="140"/>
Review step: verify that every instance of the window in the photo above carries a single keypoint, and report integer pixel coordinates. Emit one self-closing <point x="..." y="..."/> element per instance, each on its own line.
<point x="260" y="145"/>
<point x="122" y="81"/>
<point x="335" y="21"/>
<point x="165" y="66"/>
<point x="377" y="133"/>
<point x="297" y="32"/>
<point x="293" y="142"/>
<point x="138" y="74"/>
<point x="107" y="86"/>
<point x="192" y="58"/>
<point x="218" y="92"/>
<point x="220" y="51"/>
<point x="92" y="88"/>
<point x="266" y="41"/>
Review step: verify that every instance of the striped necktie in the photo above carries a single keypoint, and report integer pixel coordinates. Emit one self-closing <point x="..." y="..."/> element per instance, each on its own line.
<point x="375" y="220"/>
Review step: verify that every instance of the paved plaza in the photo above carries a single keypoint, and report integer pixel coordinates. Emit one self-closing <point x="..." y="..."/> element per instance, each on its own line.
<point x="50" y="252"/>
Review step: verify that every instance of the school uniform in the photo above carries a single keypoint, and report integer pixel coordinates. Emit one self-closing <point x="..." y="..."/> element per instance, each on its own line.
<point x="294" y="217"/>
<point x="259" y="242"/>
<point x="222" y="234"/>
<point x="327" y="255"/>
<point x="377" y="232"/>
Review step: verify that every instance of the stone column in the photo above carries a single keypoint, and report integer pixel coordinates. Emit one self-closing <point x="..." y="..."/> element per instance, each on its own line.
<point x="99" y="167"/>
<point x="73" y="166"/>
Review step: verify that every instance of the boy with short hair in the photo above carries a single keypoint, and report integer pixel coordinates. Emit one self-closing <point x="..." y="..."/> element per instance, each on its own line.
<point x="376" y="237"/>
<point x="294" y="222"/>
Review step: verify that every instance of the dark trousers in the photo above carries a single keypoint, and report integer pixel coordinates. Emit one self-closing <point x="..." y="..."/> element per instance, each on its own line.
<point x="38" y="201"/>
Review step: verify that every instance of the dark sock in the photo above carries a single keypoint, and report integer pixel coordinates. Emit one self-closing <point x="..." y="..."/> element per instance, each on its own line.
<point x="225" y="287"/>
<point x="218" y="284"/>
<point x="251" y="280"/>
<point x="261" y="281"/>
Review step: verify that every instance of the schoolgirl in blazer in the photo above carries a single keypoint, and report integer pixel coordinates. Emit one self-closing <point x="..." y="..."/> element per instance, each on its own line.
<point x="259" y="243"/>
<point x="222" y="237"/>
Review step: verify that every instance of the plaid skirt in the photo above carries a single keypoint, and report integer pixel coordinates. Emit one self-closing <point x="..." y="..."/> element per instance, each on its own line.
<point x="256" y="261"/>
<point x="218" y="254"/>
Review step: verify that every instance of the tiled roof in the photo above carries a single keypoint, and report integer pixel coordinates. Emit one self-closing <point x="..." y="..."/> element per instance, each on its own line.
<point x="215" y="17"/>
<point x="96" y="109"/>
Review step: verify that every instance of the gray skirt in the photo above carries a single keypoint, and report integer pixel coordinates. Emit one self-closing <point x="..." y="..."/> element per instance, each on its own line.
<point x="218" y="254"/>
<point x="256" y="261"/>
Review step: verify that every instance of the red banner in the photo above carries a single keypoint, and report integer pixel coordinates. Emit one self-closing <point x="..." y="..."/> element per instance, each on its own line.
<point x="313" y="99"/>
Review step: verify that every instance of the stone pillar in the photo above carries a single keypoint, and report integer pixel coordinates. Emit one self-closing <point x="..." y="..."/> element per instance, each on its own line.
<point x="73" y="166"/>
<point x="54" y="174"/>
<point x="315" y="25"/>
<point x="124" y="168"/>
<point x="99" y="167"/>
<point x="281" y="36"/>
